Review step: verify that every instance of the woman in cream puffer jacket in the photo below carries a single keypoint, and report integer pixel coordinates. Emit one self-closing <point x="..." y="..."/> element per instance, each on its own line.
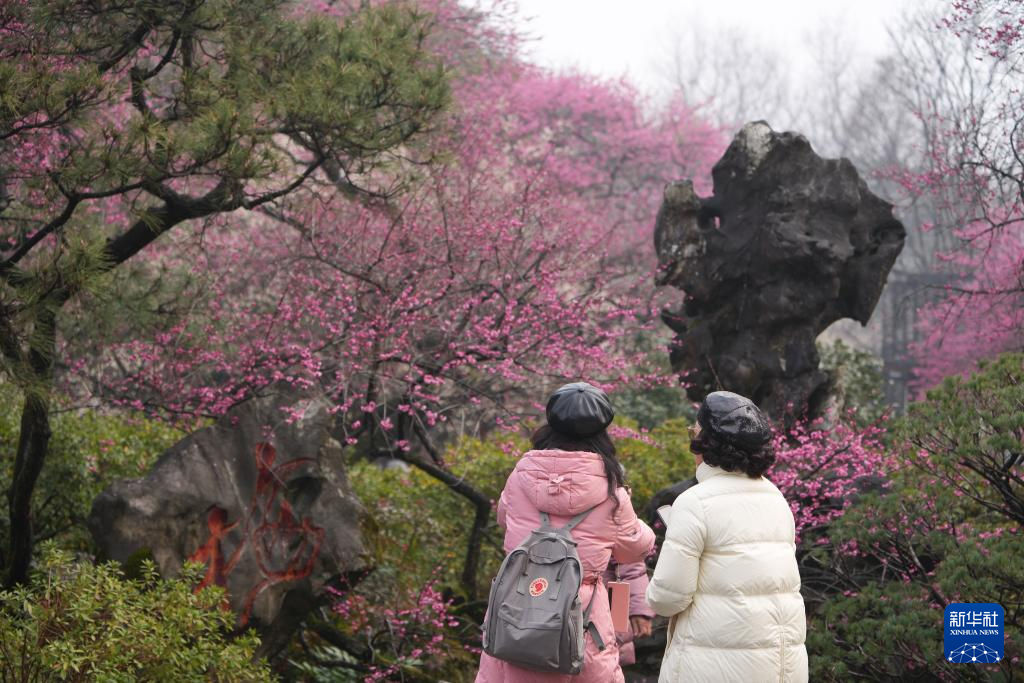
<point x="727" y="576"/>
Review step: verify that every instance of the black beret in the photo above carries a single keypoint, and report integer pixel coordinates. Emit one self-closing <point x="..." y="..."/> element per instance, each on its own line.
<point x="734" y="419"/>
<point x="579" y="409"/>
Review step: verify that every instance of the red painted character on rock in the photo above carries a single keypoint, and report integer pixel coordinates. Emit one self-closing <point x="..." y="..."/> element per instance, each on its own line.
<point x="284" y="548"/>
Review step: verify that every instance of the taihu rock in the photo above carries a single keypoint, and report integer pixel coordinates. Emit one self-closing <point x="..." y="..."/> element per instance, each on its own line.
<point x="265" y="504"/>
<point x="787" y="244"/>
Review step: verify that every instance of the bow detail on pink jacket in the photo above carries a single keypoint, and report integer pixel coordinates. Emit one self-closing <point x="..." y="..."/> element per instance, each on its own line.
<point x="557" y="484"/>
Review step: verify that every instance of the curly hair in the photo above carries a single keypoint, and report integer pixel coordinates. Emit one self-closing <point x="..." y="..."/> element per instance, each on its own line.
<point x="720" y="453"/>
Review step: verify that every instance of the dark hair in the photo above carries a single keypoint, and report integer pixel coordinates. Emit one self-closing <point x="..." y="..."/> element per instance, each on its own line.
<point x="546" y="438"/>
<point x="719" y="453"/>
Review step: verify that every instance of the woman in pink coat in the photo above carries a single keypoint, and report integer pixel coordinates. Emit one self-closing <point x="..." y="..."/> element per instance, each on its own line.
<point x="571" y="469"/>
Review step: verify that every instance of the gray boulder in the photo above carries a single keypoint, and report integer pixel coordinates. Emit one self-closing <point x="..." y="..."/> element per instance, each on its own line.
<point x="787" y="244"/>
<point x="263" y="503"/>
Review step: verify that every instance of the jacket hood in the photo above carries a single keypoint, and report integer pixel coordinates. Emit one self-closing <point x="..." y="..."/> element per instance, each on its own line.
<point x="562" y="482"/>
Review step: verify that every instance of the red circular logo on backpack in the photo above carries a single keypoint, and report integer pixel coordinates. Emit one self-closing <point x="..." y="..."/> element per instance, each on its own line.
<point x="538" y="586"/>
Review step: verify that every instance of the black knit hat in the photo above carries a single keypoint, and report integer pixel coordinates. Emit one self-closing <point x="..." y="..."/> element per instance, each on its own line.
<point x="580" y="410"/>
<point x="734" y="419"/>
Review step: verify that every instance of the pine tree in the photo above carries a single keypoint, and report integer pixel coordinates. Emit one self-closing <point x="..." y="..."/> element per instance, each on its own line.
<point x="122" y="120"/>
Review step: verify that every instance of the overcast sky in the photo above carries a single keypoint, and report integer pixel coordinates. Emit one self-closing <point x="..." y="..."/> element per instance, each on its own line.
<point x="613" y="38"/>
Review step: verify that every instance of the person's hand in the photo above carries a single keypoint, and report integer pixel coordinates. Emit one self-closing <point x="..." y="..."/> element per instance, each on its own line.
<point x="641" y="626"/>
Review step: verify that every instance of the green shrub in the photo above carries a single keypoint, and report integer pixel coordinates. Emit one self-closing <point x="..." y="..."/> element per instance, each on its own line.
<point x="416" y="532"/>
<point x="653" y="406"/>
<point x="969" y="436"/>
<point x="88" y="451"/>
<point x="948" y="529"/>
<point x="656" y="459"/>
<point x="417" y="524"/>
<point x="857" y="380"/>
<point x="80" y="622"/>
<point x="328" y="664"/>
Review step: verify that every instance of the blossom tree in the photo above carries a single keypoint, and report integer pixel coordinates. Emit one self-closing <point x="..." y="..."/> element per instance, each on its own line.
<point x="522" y="260"/>
<point x="517" y="260"/>
<point x="977" y="174"/>
<point x="120" y="122"/>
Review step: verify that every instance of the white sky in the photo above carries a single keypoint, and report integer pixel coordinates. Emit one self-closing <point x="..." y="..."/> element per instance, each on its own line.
<point x="614" y="38"/>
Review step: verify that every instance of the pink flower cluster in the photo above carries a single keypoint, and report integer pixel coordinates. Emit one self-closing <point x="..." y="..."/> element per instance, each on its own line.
<point x="414" y="627"/>
<point x="820" y="468"/>
<point x="981" y="312"/>
<point x="998" y="25"/>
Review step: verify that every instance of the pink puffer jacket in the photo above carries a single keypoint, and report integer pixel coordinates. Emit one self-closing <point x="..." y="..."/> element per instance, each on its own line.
<point x="563" y="484"/>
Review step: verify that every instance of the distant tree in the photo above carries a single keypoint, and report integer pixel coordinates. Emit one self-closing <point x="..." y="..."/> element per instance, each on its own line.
<point x="120" y="121"/>
<point x="981" y="312"/>
<point x="976" y="173"/>
<point x="729" y="75"/>
<point x="857" y="381"/>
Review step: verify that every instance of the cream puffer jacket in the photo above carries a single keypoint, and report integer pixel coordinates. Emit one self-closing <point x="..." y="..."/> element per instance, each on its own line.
<point x="727" y="577"/>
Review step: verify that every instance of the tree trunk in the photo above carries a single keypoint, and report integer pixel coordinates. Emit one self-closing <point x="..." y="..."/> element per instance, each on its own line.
<point x="32" y="446"/>
<point x="482" y="505"/>
<point x="34" y="439"/>
<point x="471" y="566"/>
<point x="33" y="443"/>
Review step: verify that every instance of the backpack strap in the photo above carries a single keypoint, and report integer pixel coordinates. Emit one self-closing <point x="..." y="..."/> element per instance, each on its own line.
<point x="588" y="625"/>
<point x="545" y="520"/>
<point x="576" y="520"/>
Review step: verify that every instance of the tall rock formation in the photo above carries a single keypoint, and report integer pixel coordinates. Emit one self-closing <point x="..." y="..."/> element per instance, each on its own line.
<point x="787" y="244"/>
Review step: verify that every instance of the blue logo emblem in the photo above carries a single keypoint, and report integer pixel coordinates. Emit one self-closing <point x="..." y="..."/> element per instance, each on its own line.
<point x="974" y="633"/>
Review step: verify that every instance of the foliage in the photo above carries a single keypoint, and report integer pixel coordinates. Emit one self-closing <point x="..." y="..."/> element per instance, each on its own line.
<point x="969" y="436"/>
<point x="651" y="406"/>
<point x="328" y="664"/>
<point x="980" y="313"/>
<point x="417" y="522"/>
<point x="79" y="622"/>
<point x="946" y="530"/>
<point x="407" y="632"/>
<point x="858" y="381"/>
<point x="903" y="557"/>
<point x="144" y="115"/>
<point x="652" y="403"/>
<point x="88" y="451"/>
<point x="653" y="459"/>
<point x="820" y="469"/>
<point x="416" y="531"/>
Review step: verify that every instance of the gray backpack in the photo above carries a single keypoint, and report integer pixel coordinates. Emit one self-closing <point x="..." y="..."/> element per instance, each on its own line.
<point x="534" y="616"/>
